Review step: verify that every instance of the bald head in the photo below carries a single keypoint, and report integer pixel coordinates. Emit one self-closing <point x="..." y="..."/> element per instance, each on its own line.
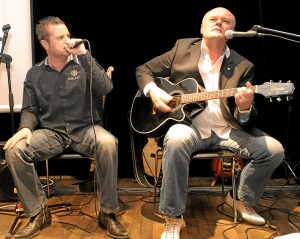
<point x="220" y="11"/>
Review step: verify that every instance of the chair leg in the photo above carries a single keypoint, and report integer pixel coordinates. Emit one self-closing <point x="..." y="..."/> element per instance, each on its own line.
<point x="222" y="173"/>
<point x="233" y="190"/>
<point x="154" y="199"/>
<point x="47" y="178"/>
<point x="214" y="181"/>
<point x="156" y="175"/>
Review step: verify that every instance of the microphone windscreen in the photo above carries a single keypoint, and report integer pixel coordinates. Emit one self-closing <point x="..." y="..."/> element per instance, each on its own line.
<point x="228" y="34"/>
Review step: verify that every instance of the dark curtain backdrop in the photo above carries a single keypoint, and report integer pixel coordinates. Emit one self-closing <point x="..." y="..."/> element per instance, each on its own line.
<point x="126" y="34"/>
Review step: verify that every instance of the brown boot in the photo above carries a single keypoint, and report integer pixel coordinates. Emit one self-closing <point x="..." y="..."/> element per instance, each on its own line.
<point x="114" y="228"/>
<point x="36" y="223"/>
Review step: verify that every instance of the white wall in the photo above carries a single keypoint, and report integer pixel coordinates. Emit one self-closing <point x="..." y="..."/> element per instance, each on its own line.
<point x="17" y="14"/>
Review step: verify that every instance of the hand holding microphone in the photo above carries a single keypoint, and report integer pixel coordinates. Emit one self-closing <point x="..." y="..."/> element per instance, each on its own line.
<point x="77" y="44"/>
<point x="74" y="46"/>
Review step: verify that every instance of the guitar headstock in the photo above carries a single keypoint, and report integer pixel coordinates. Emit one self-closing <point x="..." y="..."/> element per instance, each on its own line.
<point x="276" y="89"/>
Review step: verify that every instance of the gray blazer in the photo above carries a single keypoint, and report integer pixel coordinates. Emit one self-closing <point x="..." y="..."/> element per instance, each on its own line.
<point x="181" y="62"/>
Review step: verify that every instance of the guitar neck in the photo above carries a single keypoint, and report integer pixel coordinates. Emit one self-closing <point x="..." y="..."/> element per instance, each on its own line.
<point x="203" y="96"/>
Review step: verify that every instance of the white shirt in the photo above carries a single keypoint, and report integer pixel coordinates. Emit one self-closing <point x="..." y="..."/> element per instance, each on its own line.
<point x="211" y="118"/>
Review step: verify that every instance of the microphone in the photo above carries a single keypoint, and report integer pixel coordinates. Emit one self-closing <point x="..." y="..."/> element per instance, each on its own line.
<point x="6" y="27"/>
<point x="5" y="30"/>
<point x="77" y="44"/>
<point x="231" y="34"/>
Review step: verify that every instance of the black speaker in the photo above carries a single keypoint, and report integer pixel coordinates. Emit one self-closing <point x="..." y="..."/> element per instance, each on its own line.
<point x="7" y="186"/>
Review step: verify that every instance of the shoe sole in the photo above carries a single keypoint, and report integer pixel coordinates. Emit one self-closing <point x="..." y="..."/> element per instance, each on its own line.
<point x="118" y="237"/>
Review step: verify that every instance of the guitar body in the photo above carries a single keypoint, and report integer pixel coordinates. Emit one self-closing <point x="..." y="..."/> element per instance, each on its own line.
<point x="216" y="168"/>
<point x="145" y="119"/>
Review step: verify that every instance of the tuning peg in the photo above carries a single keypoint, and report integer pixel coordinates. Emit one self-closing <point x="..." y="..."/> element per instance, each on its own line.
<point x="278" y="99"/>
<point x="271" y="100"/>
<point x="280" y="81"/>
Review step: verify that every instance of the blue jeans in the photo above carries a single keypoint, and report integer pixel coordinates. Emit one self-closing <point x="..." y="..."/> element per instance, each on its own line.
<point x="45" y="144"/>
<point x="263" y="154"/>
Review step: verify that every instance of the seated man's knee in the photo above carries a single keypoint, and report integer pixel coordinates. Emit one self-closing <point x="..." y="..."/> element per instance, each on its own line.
<point x="177" y="134"/>
<point x="108" y="139"/>
<point x="18" y="152"/>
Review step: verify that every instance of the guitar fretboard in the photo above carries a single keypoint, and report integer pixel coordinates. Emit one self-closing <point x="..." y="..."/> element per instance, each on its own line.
<point x="203" y="96"/>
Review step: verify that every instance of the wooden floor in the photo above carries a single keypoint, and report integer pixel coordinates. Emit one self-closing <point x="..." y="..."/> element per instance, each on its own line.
<point x="206" y="216"/>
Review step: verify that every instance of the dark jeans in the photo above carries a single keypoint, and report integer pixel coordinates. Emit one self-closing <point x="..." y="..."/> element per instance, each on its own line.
<point x="45" y="144"/>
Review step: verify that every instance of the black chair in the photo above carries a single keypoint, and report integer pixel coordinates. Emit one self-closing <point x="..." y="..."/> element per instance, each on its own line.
<point x="67" y="155"/>
<point x="228" y="162"/>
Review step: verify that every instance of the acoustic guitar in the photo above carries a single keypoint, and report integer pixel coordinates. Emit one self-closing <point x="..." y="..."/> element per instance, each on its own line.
<point x="186" y="103"/>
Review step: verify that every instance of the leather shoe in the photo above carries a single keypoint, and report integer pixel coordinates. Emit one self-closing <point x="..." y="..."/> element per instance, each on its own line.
<point x="246" y="211"/>
<point x="172" y="228"/>
<point x="113" y="227"/>
<point x="35" y="224"/>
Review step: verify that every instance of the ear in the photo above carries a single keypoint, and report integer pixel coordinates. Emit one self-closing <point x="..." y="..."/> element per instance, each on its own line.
<point x="201" y="29"/>
<point x="45" y="44"/>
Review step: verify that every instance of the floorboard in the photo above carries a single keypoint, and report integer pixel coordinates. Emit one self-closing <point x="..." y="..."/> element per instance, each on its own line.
<point x="206" y="216"/>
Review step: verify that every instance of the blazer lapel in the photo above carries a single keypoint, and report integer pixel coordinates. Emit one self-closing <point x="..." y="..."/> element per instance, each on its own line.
<point x="226" y="73"/>
<point x="194" y="59"/>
